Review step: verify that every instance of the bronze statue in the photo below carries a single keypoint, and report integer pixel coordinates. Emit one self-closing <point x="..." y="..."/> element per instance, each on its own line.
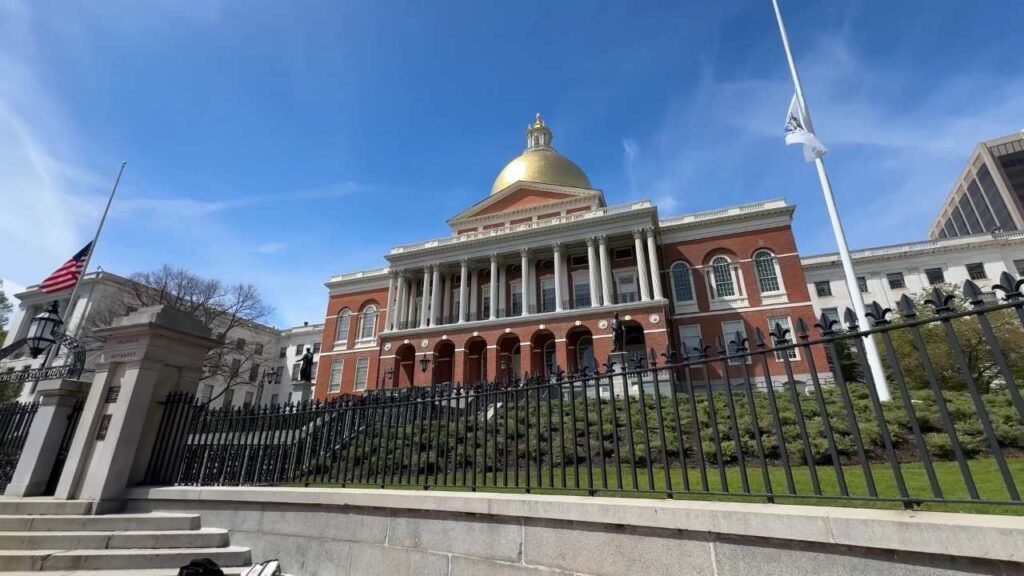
<point x="306" y="367"/>
<point x="618" y="335"/>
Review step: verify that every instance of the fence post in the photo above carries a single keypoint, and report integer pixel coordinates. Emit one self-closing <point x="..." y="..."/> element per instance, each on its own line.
<point x="57" y="399"/>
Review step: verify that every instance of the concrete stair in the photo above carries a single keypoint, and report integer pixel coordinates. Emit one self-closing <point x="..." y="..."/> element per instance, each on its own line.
<point x="50" y="537"/>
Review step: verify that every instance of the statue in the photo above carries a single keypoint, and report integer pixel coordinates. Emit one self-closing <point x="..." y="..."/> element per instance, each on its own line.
<point x="618" y="335"/>
<point x="306" y="367"/>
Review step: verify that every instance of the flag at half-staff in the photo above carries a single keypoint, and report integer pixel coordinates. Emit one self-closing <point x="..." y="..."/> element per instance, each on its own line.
<point x="800" y="131"/>
<point x="67" y="275"/>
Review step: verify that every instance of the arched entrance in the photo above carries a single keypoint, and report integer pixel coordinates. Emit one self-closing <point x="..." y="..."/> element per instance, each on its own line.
<point x="542" y="354"/>
<point x="580" y="347"/>
<point x="405" y="365"/>
<point x="444" y="356"/>
<point x="475" y="366"/>
<point x="509" y="359"/>
<point x="636" y="343"/>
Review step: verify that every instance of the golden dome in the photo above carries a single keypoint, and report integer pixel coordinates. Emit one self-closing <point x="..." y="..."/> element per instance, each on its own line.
<point x="540" y="163"/>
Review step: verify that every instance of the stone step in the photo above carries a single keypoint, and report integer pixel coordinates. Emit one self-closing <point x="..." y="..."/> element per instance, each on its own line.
<point x="133" y="559"/>
<point x="44" y="506"/>
<point x="150" y="522"/>
<point x="202" y="538"/>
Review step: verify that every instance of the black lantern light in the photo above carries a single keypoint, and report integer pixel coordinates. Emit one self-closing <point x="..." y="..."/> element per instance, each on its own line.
<point x="424" y="362"/>
<point x="43" y="331"/>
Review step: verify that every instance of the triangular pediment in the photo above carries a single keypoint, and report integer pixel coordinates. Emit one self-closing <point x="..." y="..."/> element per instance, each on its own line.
<point x="524" y="198"/>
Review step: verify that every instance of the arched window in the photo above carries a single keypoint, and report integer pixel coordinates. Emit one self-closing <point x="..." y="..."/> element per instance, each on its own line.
<point x="766" y="268"/>
<point x="341" y="331"/>
<point x="721" y="271"/>
<point x="368" y="323"/>
<point x="682" y="282"/>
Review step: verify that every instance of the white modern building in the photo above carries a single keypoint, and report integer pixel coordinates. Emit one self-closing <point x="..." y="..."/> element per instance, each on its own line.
<point x="886" y="273"/>
<point x="252" y="350"/>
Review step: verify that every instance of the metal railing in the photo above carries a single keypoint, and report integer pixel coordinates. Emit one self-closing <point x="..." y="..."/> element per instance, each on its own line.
<point x="15" y="422"/>
<point x="780" y="415"/>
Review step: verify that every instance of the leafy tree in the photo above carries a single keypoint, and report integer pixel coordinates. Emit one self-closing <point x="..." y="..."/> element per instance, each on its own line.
<point x="977" y="353"/>
<point x="227" y="309"/>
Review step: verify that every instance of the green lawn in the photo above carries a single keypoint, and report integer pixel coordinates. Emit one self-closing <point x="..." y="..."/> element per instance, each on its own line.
<point x="984" y="470"/>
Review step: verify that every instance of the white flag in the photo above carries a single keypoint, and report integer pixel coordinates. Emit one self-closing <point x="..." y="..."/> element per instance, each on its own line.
<point x="800" y="131"/>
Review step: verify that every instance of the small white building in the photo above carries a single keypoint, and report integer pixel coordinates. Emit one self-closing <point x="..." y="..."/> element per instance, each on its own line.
<point x="252" y="349"/>
<point x="886" y="273"/>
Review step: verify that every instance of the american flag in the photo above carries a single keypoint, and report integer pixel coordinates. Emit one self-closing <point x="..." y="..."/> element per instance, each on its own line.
<point x="66" y="276"/>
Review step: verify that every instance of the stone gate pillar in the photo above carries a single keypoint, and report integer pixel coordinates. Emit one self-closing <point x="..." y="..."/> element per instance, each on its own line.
<point x="146" y="355"/>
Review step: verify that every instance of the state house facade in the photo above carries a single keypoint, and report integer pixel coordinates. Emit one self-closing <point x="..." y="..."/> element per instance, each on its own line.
<point x="532" y="275"/>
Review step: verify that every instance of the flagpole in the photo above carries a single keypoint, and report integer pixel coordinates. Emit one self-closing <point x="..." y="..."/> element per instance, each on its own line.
<point x="65" y="316"/>
<point x="871" y="351"/>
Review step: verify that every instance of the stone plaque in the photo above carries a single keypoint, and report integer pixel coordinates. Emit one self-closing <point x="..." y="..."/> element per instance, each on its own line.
<point x="101" y="432"/>
<point x="112" y="394"/>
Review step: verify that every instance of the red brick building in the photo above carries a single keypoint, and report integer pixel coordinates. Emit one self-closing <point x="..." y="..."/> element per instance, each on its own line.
<point x="532" y="275"/>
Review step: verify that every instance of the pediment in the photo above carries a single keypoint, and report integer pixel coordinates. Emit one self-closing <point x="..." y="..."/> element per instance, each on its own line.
<point x="525" y="197"/>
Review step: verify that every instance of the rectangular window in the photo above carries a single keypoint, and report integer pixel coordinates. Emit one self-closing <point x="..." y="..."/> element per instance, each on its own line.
<point x="959" y="222"/>
<point x="296" y="371"/>
<point x="298" y="349"/>
<point x="283" y="353"/>
<point x="581" y="291"/>
<point x="784" y="322"/>
<point x="935" y="276"/>
<point x="729" y="331"/>
<point x="622" y="253"/>
<point x="485" y="301"/>
<point x="976" y="271"/>
<point x="969" y="215"/>
<point x="995" y="200"/>
<point x="626" y="288"/>
<point x="831" y="313"/>
<point x="254" y="372"/>
<point x="312" y="370"/>
<point x="362" y="373"/>
<point x="682" y="282"/>
<point x="236" y="366"/>
<point x="229" y="398"/>
<point x="316" y="347"/>
<point x="1019" y="265"/>
<point x="823" y="288"/>
<point x="578" y="261"/>
<point x="547" y="295"/>
<point x="248" y="400"/>
<point x="337" y="366"/>
<point x="689" y="341"/>
<point x="517" y="298"/>
<point x="988" y="220"/>
<point x="280" y="375"/>
<point x="896" y="281"/>
<point x="862" y="283"/>
<point x="240" y="344"/>
<point x="206" y="392"/>
<point x="258" y="349"/>
<point x="273" y="399"/>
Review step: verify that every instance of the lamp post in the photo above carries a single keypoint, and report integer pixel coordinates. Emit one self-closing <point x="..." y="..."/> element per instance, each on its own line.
<point x="424" y="364"/>
<point x="389" y="374"/>
<point x="269" y="378"/>
<point x="503" y="365"/>
<point x="44" y="331"/>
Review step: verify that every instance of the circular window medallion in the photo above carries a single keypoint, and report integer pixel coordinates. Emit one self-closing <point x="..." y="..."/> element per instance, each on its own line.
<point x="542" y="327"/>
<point x="655" y="318"/>
<point x="603" y="324"/>
<point x="406" y="341"/>
<point x="387" y="346"/>
<point x="424" y="343"/>
<point x="578" y="323"/>
<point x="628" y="317"/>
<point x="476" y="333"/>
<point x="508" y="330"/>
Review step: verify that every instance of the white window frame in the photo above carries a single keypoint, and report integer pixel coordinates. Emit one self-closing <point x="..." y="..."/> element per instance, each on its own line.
<point x="617" y="275"/>
<point x="343" y="342"/>
<point x="206" y="392"/>
<point x="794" y="353"/>
<point x="580" y="279"/>
<point x="775" y="266"/>
<point x="485" y="301"/>
<point x="364" y="364"/>
<point x="672" y="280"/>
<point x="515" y="288"/>
<point x="337" y="370"/>
<point x="730" y="266"/>
<point x="547" y="282"/>
<point x="362" y="323"/>
<point x="689" y="350"/>
<point x="727" y="334"/>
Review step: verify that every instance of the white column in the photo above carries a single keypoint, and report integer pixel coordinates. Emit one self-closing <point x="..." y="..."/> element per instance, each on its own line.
<point x="641" y="265"/>
<point x="410" y="306"/>
<point x="447" y="309"/>
<point x="606" y="272"/>
<point x="493" y="312"/>
<point x="435" y="297"/>
<point x="595" y="294"/>
<point x="559" y="271"/>
<point x="527" y="286"/>
<point x="474" y="292"/>
<point x="391" y="300"/>
<point x="502" y="296"/>
<point x="463" y="292"/>
<point x="424" y="302"/>
<point x="652" y="255"/>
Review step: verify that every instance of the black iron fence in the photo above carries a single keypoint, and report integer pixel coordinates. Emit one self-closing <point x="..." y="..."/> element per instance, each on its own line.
<point x="784" y="414"/>
<point x="15" y="421"/>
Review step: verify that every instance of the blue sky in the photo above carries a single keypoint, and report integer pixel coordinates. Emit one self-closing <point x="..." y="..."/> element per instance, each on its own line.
<point x="279" y="143"/>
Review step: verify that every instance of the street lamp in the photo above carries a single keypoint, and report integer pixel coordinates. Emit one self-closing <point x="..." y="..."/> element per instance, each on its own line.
<point x="269" y="379"/>
<point x="389" y="375"/>
<point x="503" y="365"/>
<point x="43" y="331"/>
<point x="424" y="363"/>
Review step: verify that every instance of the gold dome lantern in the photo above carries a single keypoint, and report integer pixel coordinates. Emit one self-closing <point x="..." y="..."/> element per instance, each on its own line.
<point x="540" y="163"/>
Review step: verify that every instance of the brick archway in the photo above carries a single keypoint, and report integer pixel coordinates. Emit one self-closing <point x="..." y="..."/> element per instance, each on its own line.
<point x="474" y="360"/>
<point x="509" y="355"/>
<point x="579" y="344"/>
<point x="543" y="353"/>
<point x="443" y="362"/>
<point x="405" y="366"/>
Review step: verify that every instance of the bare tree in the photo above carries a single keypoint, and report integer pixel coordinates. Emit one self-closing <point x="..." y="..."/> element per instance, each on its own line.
<point x="227" y="309"/>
